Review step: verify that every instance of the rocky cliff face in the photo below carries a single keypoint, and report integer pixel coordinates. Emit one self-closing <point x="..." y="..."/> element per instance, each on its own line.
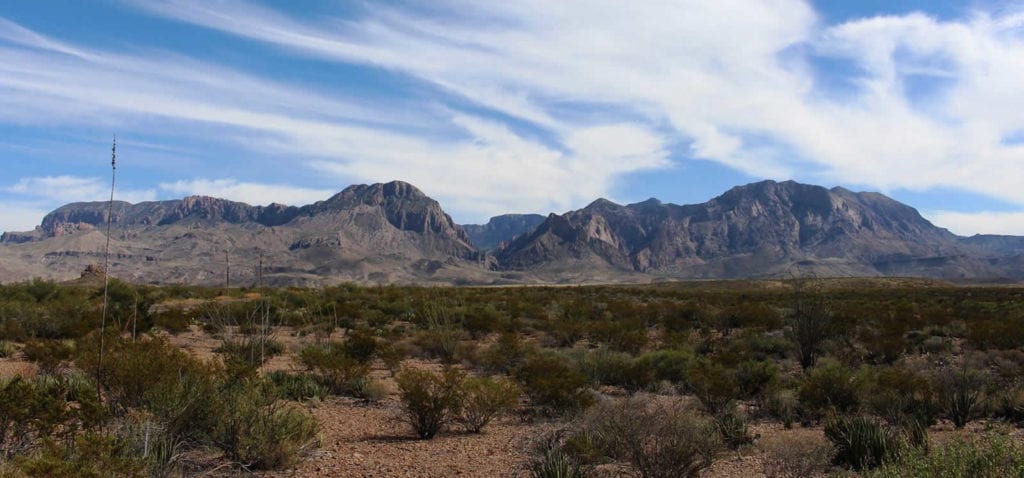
<point x="393" y="232"/>
<point x="759" y="229"/>
<point x="501" y="230"/>
<point x="382" y="232"/>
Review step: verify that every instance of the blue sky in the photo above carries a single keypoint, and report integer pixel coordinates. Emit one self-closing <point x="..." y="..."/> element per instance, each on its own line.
<point x="527" y="106"/>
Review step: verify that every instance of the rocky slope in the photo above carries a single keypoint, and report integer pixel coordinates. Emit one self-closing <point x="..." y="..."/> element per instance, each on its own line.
<point x="761" y="229"/>
<point x="501" y="229"/>
<point x="373" y="233"/>
<point x="394" y="233"/>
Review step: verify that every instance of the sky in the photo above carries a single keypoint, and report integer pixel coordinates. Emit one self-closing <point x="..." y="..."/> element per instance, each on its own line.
<point x="529" y="106"/>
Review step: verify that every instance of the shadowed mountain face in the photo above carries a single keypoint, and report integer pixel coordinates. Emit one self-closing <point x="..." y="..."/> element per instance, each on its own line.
<point x="501" y="229"/>
<point x="394" y="233"/>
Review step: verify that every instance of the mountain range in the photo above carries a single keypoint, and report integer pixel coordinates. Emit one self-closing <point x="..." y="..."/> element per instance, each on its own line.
<point x="394" y="233"/>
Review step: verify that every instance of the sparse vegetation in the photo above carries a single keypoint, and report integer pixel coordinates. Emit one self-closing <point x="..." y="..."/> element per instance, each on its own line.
<point x="858" y="375"/>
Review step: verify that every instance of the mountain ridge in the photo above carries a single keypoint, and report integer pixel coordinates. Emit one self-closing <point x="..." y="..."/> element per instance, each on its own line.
<point x="393" y="232"/>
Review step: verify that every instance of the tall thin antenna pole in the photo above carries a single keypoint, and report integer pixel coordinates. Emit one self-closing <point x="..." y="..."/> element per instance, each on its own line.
<point x="106" y="266"/>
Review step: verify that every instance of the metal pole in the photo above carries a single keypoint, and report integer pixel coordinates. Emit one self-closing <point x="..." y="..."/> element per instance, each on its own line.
<point x="106" y="267"/>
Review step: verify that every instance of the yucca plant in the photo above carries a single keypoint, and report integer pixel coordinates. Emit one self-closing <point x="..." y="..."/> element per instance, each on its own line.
<point x="862" y="443"/>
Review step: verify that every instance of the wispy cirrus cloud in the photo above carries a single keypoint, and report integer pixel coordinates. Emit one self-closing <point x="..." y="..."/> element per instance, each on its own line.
<point x="65" y="189"/>
<point x="541" y="106"/>
<point x="931" y="102"/>
<point x="982" y="222"/>
<point x="474" y="165"/>
<point x="250" y="193"/>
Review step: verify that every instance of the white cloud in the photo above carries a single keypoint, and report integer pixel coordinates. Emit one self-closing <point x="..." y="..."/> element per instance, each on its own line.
<point x="984" y="222"/>
<point x="250" y="193"/>
<point x="608" y="85"/>
<point x="714" y="71"/>
<point x="18" y="216"/>
<point x="65" y="189"/>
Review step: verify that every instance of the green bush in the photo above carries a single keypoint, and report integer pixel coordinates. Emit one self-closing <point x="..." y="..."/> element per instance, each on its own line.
<point x="505" y="355"/>
<point x="483" y="399"/>
<point x="430" y="401"/>
<point x="342" y="373"/>
<point x="297" y="386"/>
<point x="553" y="384"/>
<point x="669" y="365"/>
<point x="361" y="345"/>
<point x="713" y="384"/>
<point x="50" y="355"/>
<point x="45" y="408"/>
<point x="732" y="428"/>
<point x="659" y="438"/>
<point x="830" y="386"/>
<point x="550" y="459"/>
<point x="256" y="430"/>
<point x="93" y="456"/>
<point x="902" y="397"/>
<point x="174" y="321"/>
<point x="987" y="457"/>
<point x="862" y="443"/>
<point x="7" y="349"/>
<point x="131" y="368"/>
<point x="961" y="394"/>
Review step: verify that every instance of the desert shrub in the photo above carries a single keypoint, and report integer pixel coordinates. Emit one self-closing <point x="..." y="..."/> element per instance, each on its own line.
<point x="810" y="325"/>
<point x="45" y="408"/>
<point x="732" y="428"/>
<point x="505" y="355"/>
<point x="620" y="335"/>
<point x="829" y="386"/>
<point x="482" y="320"/>
<point x="7" y="349"/>
<point x="961" y="394"/>
<point x="257" y="431"/>
<point x="619" y="369"/>
<point x="361" y="345"/>
<point x="372" y="390"/>
<point x="747" y="315"/>
<point x="550" y="459"/>
<point x="862" y="443"/>
<point x="244" y="355"/>
<point x="297" y="386"/>
<point x="999" y="333"/>
<point x="341" y="373"/>
<point x="552" y="383"/>
<point x="795" y="455"/>
<point x="392" y="354"/>
<point x="174" y="321"/>
<point x="901" y="396"/>
<point x="92" y="456"/>
<point x="430" y="400"/>
<point x="49" y="355"/>
<point x="987" y="457"/>
<point x="713" y="384"/>
<point x="754" y="376"/>
<point x="659" y="438"/>
<point x="1009" y="405"/>
<point x="139" y="436"/>
<point x="131" y="368"/>
<point x="783" y="404"/>
<point x="485" y="398"/>
<point x="670" y="365"/>
<point x="187" y="408"/>
<point x="441" y="332"/>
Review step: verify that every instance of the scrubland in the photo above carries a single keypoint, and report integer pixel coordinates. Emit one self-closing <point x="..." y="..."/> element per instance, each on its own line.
<point x="795" y="378"/>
